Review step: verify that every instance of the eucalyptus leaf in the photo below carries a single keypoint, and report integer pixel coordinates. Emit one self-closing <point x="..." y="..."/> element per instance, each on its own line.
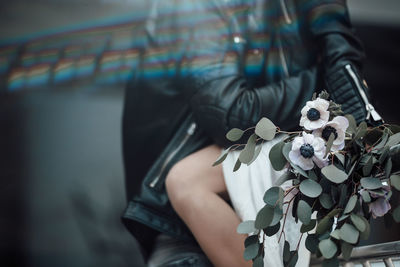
<point x="234" y="134"/>
<point x="265" y="129"/>
<point x="306" y="228"/>
<point x="237" y="165"/>
<point x="258" y="262"/>
<point x="334" y="262"/>
<point x="278" y="160"/>
<point x="340" y="157"/>
<point x="351" y="204"/>
<point x="326" y="201"/>
<point x="396" y="214"/>
<point x="393" y="140"/>
<point x="246" y="227"/>
<point x="368" y="166"/>
<point x="312" y="243"/>
<point x="286" y="251"/>
<point x="361" y="131"/>
<point x="272" y="230"/>
<point x="349" y="233"/>
<point x="395" y="181"/>
<point x="256" y="153"/>
<point x="384" y="155"/>
<point x="336" y="234"/>
<point x="343" y="217"/>
<point x="365" y="196"/>
<point x="264" y="217"/>
<point x="294" y="256"/>
<point x="310" y="188"/>
<point x="346" y="250"/>
<point x="274" y="196"/>
<point x="222" y="157"/>
<point x="333" y="174"/>
<point x="365" y="234"/>
<point x="358" y="222"/>
<point x="285" y="177"/>
<point x="371" y="183"/>
<point x="324" y="225"/>
<point x="352" y="123"/>
<point x="251" y="251"/>
<point x="383" y="141"/>
<point x="328" y="248"/>
<point x="247" y="154"/>
<point x="329" y="144"/>
<point x="388" y="168"/>
<point x="252" y="239"/>
<point x="277" y="216"/>
<point x="304" y="212"/>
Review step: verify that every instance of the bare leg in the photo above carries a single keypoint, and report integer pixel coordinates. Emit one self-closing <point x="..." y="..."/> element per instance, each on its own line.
<point x="194" y="188"/>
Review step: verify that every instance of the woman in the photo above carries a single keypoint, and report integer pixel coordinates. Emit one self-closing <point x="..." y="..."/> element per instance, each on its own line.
<point x="233" y="62"/>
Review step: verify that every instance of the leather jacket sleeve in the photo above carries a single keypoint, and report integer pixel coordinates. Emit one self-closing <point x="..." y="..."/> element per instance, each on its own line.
<point x="226" y="102"/>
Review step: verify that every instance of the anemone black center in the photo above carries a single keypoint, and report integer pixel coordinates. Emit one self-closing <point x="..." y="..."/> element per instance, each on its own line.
<point x="313" y="114"/>
<point x="307" y="151"/>
<point x="327" y="131"/>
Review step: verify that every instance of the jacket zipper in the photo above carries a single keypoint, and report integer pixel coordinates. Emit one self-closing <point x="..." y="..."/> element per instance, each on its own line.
<point x="369" y="107"/>
<point x="285" y="12"/>
<point x="189" y="132"/>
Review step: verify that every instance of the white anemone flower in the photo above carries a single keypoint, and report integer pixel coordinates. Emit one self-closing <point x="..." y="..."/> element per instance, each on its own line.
<point x="314" y="114"/>
<point x="307" y="150"/>
<point x="338" y="127"/>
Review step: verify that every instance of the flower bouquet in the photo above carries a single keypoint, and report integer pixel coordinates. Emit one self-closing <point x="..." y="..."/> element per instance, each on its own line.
<point x="341" y="174"/>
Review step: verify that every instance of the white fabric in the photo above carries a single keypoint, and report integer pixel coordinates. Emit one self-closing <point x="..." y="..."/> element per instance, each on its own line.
<point x="246" y="188"/>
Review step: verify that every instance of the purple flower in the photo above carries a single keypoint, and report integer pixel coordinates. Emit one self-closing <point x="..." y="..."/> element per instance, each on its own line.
<point x="381" y="205"/>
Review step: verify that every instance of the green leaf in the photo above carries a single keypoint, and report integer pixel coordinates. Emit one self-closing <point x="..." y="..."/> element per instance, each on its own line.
<point x="351" y="204"/>
<point x="365" y="196"/>
<point x="274" y="196"/>
<point x="258" y="262"/>
<point x="222" y="157"/>
<point x="326" y="201"/>
<point x="368" y="166"/>
<point x="384" y="155"/>
<point x="365" y="234"/>
<point x="278" y="214"/>
<point x="340" y="157"/>
<point x="395" y="181"/>
<point x="264" y="217"/>
<point x="278" y="160"/>
<point x="251" y="251"/>
<point x="265" y="129"/>
<point x="256" y="153"/>
<point x="349" y="233"/>
<point x="312" y="243"/>
<point x="324" y="224"/>
<point x="329" y="144"/>
<point x="333" y="174"/>
<point x="310" y="188"/>
<point x="358" y="222"/>
<point x="336" y="234"/>
<point x="294" y="256"/>
<point x="346" y="250"/>
<point x="371" y="183"/>
<point x="304" y="212"/>
<point x="388" y="168"/>
<point x="334" y="262"/>
<point x="361" y="131"/>
<point x="252" y="239"/>
<point x="396" y="214"/>
<point x="247" y="154"/>
<point x="246" y="227"/>
<point x="271" y="230"/>
<point x="343" y="217"/>
<point x="352" y="124"/>
<point x="286" y="251"/>
<point x="328" y="248"/>
<point x="306" y="228"/>
<point x="234" y="134"/>
<point x="237" y="165"/>
<point x="393" y="140"/>
<point x="288" y="175"/>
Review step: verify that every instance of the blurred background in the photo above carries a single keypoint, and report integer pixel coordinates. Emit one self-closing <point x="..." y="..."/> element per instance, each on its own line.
<point x="63" y="68"/>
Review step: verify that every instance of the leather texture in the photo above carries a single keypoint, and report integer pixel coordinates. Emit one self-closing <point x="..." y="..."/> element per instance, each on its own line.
<point x="224" y="64"/>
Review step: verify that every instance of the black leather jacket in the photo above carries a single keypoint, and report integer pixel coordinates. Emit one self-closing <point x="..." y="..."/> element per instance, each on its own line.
<point x="213" y="65"/>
